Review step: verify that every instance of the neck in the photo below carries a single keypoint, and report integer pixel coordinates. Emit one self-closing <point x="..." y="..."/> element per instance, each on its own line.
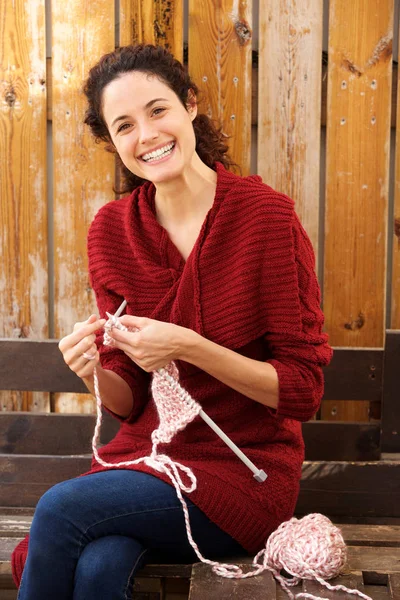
<point x="188" y="196"/>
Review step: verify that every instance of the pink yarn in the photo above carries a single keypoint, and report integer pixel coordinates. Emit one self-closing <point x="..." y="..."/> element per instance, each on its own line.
<point x="307" y="548"/>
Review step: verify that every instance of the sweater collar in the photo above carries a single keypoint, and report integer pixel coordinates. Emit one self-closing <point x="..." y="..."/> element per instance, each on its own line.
<point x="150" y="241"/>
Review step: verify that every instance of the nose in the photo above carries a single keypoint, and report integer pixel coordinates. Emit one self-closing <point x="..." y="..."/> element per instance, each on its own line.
<point x="147" y="131"/>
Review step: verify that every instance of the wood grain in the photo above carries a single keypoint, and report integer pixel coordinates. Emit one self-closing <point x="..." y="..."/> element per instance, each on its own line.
<point x="357" y="179"/>
<point x="358" y="136"/>
<point x="206" y="584"/>
<point x="352" y="581"/>
<point x="82" y="31"/>
<point x="254" y="93"/>
<point x="220" y="37"/>
<point x="395" y="312"/>
<point x="289" y="107"/>
<point x="23" y="193"/>
<point x="158" y="22"/>
<point x="350" y="489"/>
<point x="394" y="586"/>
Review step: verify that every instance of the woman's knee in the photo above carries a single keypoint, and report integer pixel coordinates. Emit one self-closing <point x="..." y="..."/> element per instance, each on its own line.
<point x="57" y="505"/>
<point x="107" y="566"/>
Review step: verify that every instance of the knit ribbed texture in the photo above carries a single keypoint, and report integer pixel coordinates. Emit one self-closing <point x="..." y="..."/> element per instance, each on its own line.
<point x="248" y="285"/>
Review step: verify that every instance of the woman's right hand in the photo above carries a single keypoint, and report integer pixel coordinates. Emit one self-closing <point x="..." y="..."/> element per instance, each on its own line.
<point x="79" y="345"/>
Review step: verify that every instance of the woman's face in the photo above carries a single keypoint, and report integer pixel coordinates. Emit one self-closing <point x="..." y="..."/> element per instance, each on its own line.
<point x="149" y="127"/>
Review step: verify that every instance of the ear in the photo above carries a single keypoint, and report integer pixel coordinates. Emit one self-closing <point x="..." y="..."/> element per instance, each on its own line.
<point x="192" y="104"/>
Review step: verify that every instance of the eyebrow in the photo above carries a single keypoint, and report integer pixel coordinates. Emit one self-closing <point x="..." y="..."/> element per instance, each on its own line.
<point x="148" y="105"/>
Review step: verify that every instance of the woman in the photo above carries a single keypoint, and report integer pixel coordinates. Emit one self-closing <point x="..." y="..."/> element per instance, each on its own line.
<point x="218" y="275"/>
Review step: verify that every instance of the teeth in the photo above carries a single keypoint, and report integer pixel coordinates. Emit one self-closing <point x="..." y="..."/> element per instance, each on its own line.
<point x="158" y="153"/>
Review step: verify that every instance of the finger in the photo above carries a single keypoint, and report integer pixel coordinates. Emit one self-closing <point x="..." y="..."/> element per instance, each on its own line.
<point x="83" y="367"/>
<point x="130" y="348"/>
<point x="124" y="345"/>
<point x="128" y="337"/>
<point x="76" y="336"/>
<point x="80" y="324"/>
<point x="87" y="369"/>
<point x="89" y="356"/>
<point x="85" y="345"/>
<point x="132" y="321"/>
<point x="69" y="341"/>
<point x="91" y="353"/>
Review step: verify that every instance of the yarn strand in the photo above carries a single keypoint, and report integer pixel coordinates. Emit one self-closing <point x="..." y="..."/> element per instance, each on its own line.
<point x="309" y="548"/>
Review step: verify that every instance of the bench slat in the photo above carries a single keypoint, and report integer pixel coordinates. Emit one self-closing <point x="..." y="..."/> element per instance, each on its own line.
<point x="394" y="586"/>
<point x="347" y="489"/>
<point x="354" y="535"/>
<point x="57" y="433"/>
<point x="360" y="558"/>
<point x="206" y="584"/>
<point x="377" y="559"/>
<point x="24" y="355"/>
<point x="25" y="478"/>
<point x="51" y="433"/>
<point x="353" y="581"/>
<point x="14" y="526"/>
<point x="370" y="535"/>
<point x="337" y="489"/>
<point x="7" y="545"/>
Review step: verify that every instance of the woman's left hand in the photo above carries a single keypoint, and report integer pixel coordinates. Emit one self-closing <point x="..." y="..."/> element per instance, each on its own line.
<point x="154" y="344"/>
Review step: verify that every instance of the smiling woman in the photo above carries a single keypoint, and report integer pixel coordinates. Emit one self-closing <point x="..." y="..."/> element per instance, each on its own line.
<point x="218" y="276"/>
<point x="154" y="85"/>
<point x="154" y="138"/>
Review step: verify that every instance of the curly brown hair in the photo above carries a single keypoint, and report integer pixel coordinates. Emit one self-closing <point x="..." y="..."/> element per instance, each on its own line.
<point x="211" y="143"/>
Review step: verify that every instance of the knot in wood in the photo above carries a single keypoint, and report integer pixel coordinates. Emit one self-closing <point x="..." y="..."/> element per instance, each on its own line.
<point x="243" y="32"/>
<point x="10" y="97"/>
<point x="397" y="228"/>
<point x="356" y="324"/>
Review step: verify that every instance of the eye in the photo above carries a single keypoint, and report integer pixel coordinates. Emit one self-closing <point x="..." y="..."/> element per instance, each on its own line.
<point x="123" y="127"/>
<point x="158" y="111"/>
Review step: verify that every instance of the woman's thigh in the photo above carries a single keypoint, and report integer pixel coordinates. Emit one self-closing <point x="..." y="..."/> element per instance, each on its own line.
<point x="137" y="505"/>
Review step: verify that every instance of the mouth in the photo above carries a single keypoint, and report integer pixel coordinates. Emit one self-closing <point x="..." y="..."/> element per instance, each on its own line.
<point x="158" y="155"/>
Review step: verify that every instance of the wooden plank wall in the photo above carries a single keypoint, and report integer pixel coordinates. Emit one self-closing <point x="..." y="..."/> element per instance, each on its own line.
<point x="23" y="217"/>
<point x="289" y="107"/>
<point x="82" y="30"/>
<point x="395" y="308"/>
<point x="357" y="178"/>
<point x="287" y="85"/>
<point x="159" y="22"/>
<point x="220" y="42"/>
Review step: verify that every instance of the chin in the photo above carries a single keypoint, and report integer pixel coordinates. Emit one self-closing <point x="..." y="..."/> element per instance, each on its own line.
<point x="163" y="175"/>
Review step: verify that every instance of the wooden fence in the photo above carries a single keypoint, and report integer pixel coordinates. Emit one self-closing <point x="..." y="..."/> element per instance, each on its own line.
<point x="272" y="100"/>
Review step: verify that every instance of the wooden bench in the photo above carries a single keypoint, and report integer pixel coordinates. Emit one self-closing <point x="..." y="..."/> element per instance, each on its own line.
<point x="351" y="473"/>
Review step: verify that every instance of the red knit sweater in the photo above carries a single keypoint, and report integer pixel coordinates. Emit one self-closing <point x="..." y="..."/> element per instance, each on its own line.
<point x="248" y="285"/>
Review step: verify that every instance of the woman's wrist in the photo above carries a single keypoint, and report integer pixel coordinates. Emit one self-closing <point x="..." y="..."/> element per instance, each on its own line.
<point x="189" y="344"/>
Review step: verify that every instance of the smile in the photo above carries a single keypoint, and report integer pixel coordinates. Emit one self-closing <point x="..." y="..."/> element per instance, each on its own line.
<point x="158" y="154"/>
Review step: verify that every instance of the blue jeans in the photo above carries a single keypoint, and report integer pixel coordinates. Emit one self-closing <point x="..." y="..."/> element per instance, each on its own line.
<point x="91" y="534"/>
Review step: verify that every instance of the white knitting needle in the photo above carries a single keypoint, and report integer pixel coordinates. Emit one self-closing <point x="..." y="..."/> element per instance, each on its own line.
<point x="259" y="474"/>
<point x="121" y="308"/>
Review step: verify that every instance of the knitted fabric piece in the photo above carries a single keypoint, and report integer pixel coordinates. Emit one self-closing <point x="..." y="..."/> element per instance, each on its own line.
<point x="312" y="548"/>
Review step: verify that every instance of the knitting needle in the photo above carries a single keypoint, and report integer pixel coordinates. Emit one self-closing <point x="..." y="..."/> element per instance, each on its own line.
<point x="121" y="308"/>
<point x="258" y="474"/>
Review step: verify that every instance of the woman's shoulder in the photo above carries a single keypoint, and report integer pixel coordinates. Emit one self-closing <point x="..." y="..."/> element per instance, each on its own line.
<point x="252" y="191"/>
<point x="257" y="198"/>
<point x="111" y="209"/>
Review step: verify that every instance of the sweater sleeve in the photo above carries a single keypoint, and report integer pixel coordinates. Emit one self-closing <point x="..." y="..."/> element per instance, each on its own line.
<point x="114" y="359"/>
<point x="298" y="354"/>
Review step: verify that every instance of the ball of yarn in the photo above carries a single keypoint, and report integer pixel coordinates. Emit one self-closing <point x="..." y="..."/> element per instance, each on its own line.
<point x="307" y="548"/>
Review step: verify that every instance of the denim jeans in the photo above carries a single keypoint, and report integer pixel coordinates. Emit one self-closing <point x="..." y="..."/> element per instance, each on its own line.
<point x="91" y="534"/>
